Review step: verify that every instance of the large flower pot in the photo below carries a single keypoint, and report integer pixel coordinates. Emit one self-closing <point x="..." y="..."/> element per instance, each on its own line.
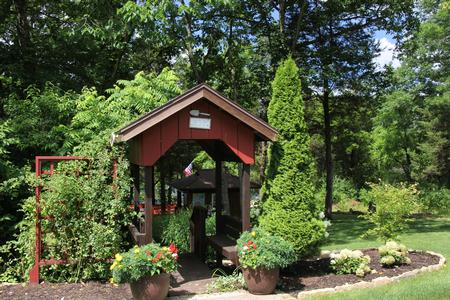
<point x="153" y="287"/>
<point x="261" y="281"/>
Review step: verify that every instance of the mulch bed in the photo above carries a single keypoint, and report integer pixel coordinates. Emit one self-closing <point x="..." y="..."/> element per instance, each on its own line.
<point x="317" y="274"/>
<point x="305" y="275"/>
<point x="66" y="291"/>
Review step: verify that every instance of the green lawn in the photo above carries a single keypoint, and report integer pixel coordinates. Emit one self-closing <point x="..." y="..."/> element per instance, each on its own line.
<point x="425" y="233"/>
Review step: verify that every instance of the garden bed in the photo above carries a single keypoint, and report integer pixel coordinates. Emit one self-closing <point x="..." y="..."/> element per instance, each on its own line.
<point x="311" y="275"/>
<point x="317" y="274"/>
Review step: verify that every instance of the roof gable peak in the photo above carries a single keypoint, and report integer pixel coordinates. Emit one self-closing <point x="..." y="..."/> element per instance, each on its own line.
<point x="199" y="92"/>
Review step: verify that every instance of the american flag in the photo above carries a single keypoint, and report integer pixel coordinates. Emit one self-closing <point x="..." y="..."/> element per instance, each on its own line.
<point x="188" y="171"/>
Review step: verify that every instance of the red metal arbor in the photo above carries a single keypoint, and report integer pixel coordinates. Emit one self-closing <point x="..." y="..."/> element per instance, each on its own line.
<point x="52" y="160"/>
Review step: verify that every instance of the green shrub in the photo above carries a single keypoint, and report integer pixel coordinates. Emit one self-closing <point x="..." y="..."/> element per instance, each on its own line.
<point x="393" y="207"/>
<point x="86" y="220"/>
<point x="343" y="190"/>
<point x="350" y="262"/>
<point x="289" y="208"/>
<point x="393" y="253"/>
<point x="226" y="283"/>
<point x="435" y="200"/>
<point x="177" y="230"/>
<point x="211" y="225"/>
<point x="150" y="259"/>
<point x="259" y="248"/>
<point x="19" y="252"/>
<point x="160" y="222"/>
<point x="210" y="231"/>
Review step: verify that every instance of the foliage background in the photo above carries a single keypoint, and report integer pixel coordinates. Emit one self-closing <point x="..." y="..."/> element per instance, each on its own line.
<point x="71" y="72"/>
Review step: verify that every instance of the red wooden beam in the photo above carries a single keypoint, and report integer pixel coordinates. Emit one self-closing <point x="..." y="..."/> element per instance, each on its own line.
<point x="52" y="261"/>
<point x="244" y="194"/>
<point x="60" y="158"/>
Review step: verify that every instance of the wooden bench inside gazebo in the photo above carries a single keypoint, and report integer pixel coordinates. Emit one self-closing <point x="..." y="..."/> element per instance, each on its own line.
<point x="203" y="185"/>
<point x="225" y="130"/>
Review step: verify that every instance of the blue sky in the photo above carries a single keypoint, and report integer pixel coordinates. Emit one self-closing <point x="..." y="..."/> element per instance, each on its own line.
<point x="383" y="34"/>
<point x="387" y="53"/>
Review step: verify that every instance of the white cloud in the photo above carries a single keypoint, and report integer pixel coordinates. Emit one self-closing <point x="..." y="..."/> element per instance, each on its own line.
<point x="387" y="54"/>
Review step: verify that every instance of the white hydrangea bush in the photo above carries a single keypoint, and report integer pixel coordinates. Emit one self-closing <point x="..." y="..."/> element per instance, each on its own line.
<point x="393" y="253"/>
<point x="350" y="262"/>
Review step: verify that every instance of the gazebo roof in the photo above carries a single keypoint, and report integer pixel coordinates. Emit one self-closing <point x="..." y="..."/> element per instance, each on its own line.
<point x="204" y="180"/>
<point x="202" y="91"/>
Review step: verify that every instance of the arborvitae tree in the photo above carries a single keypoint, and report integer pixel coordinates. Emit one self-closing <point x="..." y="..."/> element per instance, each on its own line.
<point x="289" y="209"/>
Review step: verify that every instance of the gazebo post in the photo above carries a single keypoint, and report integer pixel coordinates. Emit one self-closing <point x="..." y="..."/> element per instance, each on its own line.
<point x="136" y="183"/>
<point x="219" y="194"/>
<point x="244" y="194"/>
<point x="179" y="203"/>
<point x="219" y="197"/>
<point x="149" y="195"/>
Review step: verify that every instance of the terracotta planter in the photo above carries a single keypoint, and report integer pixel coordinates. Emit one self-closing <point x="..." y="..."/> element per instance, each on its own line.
<point x="153" y="287"/>
<point x="261" y="281"/>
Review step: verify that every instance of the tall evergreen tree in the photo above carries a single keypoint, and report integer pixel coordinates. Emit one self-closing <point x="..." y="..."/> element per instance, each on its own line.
<point x="289" y="210"/>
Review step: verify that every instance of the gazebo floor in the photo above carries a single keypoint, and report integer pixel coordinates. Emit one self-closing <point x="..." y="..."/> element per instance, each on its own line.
<point x="191" y="278"/>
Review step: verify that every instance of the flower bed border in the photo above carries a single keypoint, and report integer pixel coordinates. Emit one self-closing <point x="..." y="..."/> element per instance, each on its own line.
<point x="379" y="281"/>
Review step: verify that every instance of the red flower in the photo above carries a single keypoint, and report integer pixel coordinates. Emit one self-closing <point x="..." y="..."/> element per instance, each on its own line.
<point x="173" y="248"/>
<point x="157" y="258"/>
<point x="250" y="245"/>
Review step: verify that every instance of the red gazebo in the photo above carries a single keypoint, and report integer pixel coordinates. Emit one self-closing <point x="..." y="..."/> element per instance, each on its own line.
<point x="225" y="130"/>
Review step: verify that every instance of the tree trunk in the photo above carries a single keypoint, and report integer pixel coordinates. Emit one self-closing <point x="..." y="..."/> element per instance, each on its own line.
<point x="189" y="46"/>
<point x="328" y="154"/>
<point x="297" y="25"/>
<point x="282" y="15"/>
<point x="24" y="37"/>
<point x="407" y="165"/>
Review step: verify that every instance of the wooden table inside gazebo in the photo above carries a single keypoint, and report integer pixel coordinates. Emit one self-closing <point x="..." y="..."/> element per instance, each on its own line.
<point x="225" y="130"/>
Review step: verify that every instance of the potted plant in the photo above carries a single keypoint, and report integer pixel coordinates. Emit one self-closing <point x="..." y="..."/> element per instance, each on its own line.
<point x="261" y="255"/>
<point x="147" y="269"/>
